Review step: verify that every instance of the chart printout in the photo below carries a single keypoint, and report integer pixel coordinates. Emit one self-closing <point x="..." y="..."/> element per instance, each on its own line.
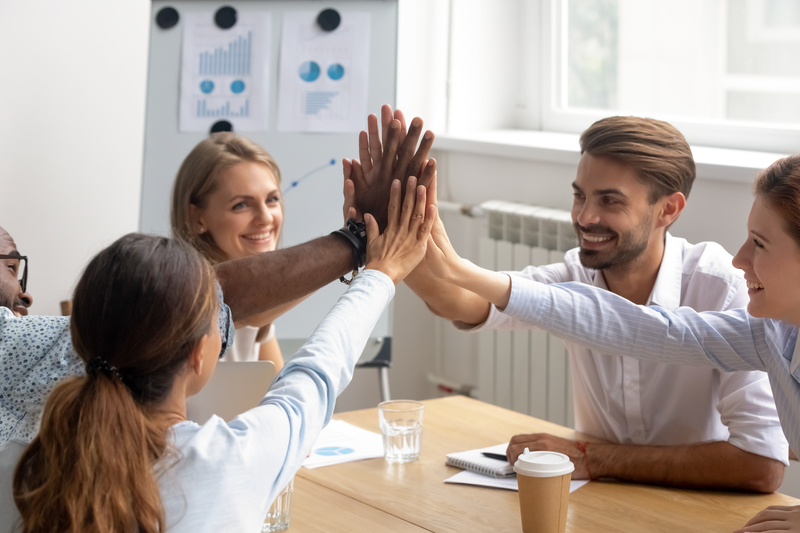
<point x="323" y="75"/>
<point x="225" y="72"/>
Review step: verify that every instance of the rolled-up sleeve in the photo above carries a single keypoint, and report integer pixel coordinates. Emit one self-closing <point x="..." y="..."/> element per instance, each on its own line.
<point x="747" y="408"/>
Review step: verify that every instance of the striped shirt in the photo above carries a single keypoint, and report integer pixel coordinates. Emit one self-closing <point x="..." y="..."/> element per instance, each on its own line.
<point x="731" y="340"/>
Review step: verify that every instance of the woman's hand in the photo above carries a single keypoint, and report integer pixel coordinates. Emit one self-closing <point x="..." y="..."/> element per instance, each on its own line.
<point x="402" y="245"/>
<point x="774" y="518"/>
<point x="441" y="258"/>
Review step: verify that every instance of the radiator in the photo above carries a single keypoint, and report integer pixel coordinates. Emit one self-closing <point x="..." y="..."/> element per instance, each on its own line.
<point x="526" y="370"/>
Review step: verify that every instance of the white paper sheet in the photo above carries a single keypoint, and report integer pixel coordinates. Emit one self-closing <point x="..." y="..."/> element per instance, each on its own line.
<point x="323" y="75"/>
<point x="466" y="477"/>
<point x="225" y="73"/>
<point x="341" y="442"/>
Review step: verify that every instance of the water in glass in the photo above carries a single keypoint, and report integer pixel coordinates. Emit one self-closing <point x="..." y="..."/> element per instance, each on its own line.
<point x="401" y="440"/>
<point x="277" y="518"/>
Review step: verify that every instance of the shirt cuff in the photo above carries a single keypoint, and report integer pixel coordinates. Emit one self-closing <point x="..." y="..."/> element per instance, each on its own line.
<point x="528" y="300"/>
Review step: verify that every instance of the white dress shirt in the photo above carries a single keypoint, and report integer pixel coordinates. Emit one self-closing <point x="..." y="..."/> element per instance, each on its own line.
<point x="227" y="474"/>
<point x="628" y="401"/>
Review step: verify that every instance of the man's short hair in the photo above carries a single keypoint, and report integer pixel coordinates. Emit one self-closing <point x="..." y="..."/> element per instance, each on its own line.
<point x="655" y="150"/>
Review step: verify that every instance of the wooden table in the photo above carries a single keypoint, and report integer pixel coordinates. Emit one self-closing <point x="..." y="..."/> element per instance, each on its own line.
<point x="373" y="495"/>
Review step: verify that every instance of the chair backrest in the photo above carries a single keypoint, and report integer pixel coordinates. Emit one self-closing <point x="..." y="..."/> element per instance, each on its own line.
<point x="235" y="387"/>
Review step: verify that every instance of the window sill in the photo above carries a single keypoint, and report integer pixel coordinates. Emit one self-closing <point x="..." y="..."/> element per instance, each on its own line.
<point x="740" y="166"/>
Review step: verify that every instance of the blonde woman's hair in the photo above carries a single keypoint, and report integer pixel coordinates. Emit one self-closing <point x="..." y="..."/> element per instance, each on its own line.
<point x="197" y="179"/>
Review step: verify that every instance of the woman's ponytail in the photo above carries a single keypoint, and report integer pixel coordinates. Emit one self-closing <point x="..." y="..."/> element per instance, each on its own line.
<point x="96" y="449"/>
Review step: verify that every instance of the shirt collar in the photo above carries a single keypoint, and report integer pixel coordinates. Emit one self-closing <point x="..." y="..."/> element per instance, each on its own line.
<point x="667" y="289"/>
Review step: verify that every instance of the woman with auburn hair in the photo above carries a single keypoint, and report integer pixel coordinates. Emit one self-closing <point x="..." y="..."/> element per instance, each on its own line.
<point x="115" y="452"/>
<point x="227" y="203"/>
<point x="762" y="337"/>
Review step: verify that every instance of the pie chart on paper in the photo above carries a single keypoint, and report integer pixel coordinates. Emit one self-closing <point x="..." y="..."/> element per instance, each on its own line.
<point x="334" y="450"/>
<point x="309" y="71"/>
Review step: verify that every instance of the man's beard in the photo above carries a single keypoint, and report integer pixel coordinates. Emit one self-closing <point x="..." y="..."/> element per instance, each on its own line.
<point x="7" y="299"/>
<point x="630" y="245"/>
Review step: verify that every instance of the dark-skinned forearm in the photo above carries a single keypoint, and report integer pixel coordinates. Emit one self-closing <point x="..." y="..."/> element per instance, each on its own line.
<point x="254" y="284"/>
<point x="710" y="465"/>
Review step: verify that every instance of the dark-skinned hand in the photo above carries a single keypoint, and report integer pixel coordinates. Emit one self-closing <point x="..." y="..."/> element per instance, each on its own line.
<point x="370" y="178"/>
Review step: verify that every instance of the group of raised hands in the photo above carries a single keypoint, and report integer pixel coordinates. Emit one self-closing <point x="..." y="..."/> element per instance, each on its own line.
<point x="392" y="188"/>
<point x="390" y="166"/>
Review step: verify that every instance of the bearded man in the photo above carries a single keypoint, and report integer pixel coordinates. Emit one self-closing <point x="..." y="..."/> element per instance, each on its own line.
<point x="665" y="424"/>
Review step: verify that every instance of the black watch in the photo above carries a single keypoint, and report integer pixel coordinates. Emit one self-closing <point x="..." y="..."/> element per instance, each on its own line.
<point x="355" y="233"/>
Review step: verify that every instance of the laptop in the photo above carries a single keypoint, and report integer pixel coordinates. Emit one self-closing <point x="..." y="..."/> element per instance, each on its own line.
<point x="234" y="388"/>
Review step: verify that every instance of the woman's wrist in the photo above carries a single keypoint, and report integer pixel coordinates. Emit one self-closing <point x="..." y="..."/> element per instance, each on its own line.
<point x="384" y="269"/>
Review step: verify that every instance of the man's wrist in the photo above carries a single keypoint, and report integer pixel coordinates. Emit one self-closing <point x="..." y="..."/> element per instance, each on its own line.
<point x="355" y="234"/>
<point x="598" y="457"/>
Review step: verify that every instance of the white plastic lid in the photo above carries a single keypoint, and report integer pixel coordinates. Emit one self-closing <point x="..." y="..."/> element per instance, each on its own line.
<point x="543" y="464"/>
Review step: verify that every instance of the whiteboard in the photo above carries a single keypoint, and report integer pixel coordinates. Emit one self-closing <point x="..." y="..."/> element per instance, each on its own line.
<point x="314" y="207"/>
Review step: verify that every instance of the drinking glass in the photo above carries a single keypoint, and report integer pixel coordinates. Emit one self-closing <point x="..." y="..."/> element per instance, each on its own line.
<point x="277" y="518"/>
<point x="401" y="425"/>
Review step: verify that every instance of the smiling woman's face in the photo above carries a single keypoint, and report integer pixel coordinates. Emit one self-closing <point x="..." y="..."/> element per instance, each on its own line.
<point x="770" y="259"/>
<point x="244" y="214"/>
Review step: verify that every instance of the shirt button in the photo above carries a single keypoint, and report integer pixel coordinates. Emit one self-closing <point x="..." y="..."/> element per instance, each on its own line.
<point x="637" y="433"/>
<point x="629" y="384"/>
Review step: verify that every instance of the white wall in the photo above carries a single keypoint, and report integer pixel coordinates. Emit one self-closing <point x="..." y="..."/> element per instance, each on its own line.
<point x="72" y="115"/>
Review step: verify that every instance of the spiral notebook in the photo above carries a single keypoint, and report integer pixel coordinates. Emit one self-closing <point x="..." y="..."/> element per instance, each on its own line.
<point x="474" y="461"/>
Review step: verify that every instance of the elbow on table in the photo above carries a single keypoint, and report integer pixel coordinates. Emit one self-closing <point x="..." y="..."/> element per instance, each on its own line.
<point x="766" y="478"/>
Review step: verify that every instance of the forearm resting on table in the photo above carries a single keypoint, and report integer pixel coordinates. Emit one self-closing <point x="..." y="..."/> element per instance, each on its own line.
<point x="709" y="465"/>
<point x="445" y="299"/>
<point x="257" y="283"/>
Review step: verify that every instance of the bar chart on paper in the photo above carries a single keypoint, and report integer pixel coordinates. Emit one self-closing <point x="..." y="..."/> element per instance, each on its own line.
<point x="223" y="73"/>
<point x="233" y="61"/>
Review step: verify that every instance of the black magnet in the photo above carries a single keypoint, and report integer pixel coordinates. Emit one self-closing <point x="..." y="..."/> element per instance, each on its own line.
<point x="225" y="17"/>
<point x="329" y="19"/>
<point x="167" y="17"/>
<point x="221" y="125"/>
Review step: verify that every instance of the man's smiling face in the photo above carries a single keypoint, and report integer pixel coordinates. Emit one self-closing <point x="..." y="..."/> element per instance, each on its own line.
<point x="611" y="213"/>
<point x="11" y="294"/>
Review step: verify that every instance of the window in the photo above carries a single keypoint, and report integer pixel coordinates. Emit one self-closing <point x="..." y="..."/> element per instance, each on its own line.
<point x="725" y="72"/>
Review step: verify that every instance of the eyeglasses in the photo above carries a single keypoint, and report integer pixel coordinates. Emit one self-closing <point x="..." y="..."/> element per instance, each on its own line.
<point x="22" y="270"/>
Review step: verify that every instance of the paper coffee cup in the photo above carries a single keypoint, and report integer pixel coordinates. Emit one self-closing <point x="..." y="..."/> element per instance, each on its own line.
<point x="543" y="479"/>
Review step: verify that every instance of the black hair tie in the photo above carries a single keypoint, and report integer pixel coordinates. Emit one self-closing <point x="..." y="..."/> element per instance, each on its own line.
<point x="98" y="364"/>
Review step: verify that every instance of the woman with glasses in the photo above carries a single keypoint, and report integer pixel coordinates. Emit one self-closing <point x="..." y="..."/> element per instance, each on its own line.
<point x="115" y="451"/>
<point x="762" y="337"/>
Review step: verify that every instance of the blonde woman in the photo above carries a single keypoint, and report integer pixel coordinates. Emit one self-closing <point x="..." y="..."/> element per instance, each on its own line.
<point x="227" y="202"/>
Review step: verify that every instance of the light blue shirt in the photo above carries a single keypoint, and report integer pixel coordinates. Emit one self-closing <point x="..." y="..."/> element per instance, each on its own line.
<point x="730" y="340"/>
<point x="227" y="474"/>
<point x="36" y="353"/>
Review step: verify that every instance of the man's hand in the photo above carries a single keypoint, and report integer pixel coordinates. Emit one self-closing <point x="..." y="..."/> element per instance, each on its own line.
<point x="536" y="442"/>
<point x="774" y="518"/>
<point x="382" y="163"/>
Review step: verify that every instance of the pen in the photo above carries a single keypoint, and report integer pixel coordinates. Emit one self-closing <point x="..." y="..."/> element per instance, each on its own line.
<point x="497" y="456"/>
